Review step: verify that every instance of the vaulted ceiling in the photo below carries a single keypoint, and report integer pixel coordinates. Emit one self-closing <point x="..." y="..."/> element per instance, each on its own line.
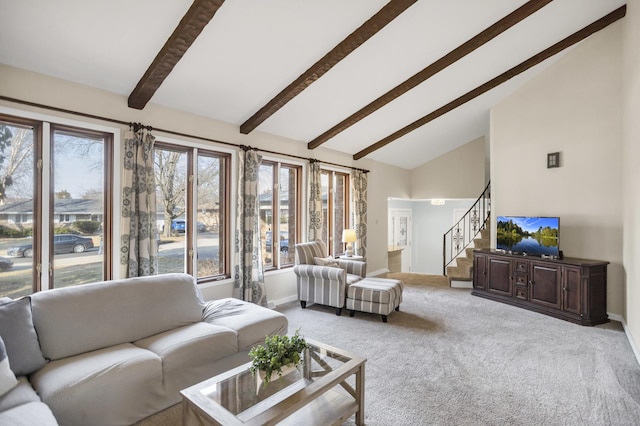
<point x="400" y="81"/>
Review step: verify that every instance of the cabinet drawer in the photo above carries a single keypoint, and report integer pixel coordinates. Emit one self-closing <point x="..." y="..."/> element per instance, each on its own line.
<point x="521" y="292"/>
<point x="521" y="279"/>
<point x="521" y="266"/>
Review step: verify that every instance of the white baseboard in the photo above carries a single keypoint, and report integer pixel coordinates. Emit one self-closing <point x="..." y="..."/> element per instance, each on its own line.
<point x="275" y="303"/>
<point x="634" y="348"/>
<point x="378" y="272"/>
<point x="461" y="284"/>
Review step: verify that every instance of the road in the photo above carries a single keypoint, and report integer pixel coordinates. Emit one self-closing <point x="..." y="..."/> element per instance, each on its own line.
<point x="208" y="248"/>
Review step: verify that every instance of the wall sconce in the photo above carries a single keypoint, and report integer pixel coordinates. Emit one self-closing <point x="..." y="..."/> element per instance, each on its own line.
<point x="553" y="160"/>
<point x="349" y="237"/>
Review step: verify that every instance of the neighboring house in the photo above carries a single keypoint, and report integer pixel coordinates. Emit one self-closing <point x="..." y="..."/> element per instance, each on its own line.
<point x="66" y="210"/>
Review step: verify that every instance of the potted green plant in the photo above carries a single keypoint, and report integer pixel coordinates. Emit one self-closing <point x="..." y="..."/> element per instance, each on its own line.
<point x="277" y="353"/>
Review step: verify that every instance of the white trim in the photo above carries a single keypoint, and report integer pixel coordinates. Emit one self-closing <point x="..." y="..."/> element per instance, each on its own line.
<point x="634" y="348"/>
<point x="378" y="272"/>
<point x="274" y="303"/>
<point x="58" y="120"/>
<point x="45" y="237"/>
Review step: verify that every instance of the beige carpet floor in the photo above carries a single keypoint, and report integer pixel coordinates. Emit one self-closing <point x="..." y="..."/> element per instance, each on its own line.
<point x="449" y="358"/>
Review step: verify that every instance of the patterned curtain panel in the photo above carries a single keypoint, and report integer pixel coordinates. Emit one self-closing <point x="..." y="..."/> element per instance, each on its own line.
<point x="249" y="274"/>
<point x="315" y="202"/>
<point x="359" y="194"/>
<point x="139" y="248"/>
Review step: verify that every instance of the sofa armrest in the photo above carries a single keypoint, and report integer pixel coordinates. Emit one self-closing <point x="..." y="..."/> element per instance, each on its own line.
<point x="354" y="267"/>
<point x="325" y="285"/>
<point x="321" y="272"/>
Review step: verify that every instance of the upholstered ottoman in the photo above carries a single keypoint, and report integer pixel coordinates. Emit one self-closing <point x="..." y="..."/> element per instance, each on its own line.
<point x="375" y="295"/>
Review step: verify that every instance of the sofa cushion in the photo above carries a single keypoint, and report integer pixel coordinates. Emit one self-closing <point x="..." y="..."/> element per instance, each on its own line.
<point x="7" y="379"/>
<point x="22" y="393"/>
<point x="118" y="385"/>
<point x="33" y="413"/>
<point x="19" y="335"/>
<point x="250" y="321"/>
<point x="73" y="320"/>
<point x="189" y="354"/>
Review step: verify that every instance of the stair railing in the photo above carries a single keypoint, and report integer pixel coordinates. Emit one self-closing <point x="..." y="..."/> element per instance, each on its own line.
<point x="460" y="235"/>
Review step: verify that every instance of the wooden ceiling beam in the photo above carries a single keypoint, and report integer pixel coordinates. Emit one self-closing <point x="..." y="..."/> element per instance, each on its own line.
<point x="458" y="53"/>
<point x="191" y="25"/>
<point x="354" y="40"/>
<point x="518" y="69"/>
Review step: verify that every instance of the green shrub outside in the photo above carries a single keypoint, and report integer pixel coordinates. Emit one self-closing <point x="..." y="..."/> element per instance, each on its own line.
<point x="64" y="229"/>
<point x="13" y="232"/>
<point x="87" y="227"/>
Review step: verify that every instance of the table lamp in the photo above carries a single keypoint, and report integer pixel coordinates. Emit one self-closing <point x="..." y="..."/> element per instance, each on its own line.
<point x="349" y="237"/>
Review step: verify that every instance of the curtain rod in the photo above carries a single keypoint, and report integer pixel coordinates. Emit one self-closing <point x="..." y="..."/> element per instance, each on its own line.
<point x="171" y="132"/>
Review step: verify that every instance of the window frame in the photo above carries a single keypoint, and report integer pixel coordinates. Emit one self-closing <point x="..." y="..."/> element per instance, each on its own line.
<point x="193" y="152"/>
<point x="42" y="125"/>
<point x="107" y="200"/>
<point x="331" y="196"/>
<point x="276" y="186"/>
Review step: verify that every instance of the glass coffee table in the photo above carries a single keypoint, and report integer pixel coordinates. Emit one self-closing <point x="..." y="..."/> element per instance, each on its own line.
<point x="327" y="390"/>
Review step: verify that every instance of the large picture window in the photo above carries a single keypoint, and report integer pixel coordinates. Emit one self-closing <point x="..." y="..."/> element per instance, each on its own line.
<point x="335" y="209"/>
<point x="68" y="180"/>
<point x="279" y="197"/>
<point x="192" y="211"/>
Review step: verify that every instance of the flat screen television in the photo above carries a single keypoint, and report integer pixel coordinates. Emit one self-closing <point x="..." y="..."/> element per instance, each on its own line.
<point x="529" y="235"/>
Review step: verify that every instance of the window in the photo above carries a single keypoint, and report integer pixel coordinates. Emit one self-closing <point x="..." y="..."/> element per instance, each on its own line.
<point x="279" y="198"/>
<point x="335" y="209"/>
<point x="192" y="220"/>
<point x="80" y="186"/>
<point x="68" y="178"/>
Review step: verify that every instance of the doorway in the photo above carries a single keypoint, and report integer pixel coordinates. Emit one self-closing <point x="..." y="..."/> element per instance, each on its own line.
<point x="400" y="234"/>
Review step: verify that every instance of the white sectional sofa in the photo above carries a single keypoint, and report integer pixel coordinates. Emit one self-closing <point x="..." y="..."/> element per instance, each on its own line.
<point x="116" y="352"/>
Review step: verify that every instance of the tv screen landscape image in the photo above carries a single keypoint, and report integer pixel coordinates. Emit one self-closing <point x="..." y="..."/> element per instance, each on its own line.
<point x="533" y="236"/>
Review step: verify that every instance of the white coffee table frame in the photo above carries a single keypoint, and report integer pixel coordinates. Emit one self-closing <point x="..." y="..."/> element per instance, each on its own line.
<point x="324" y="398"/>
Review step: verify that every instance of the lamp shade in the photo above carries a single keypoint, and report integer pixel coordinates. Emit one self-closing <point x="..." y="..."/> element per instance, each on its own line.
<point x="349" y="236"/>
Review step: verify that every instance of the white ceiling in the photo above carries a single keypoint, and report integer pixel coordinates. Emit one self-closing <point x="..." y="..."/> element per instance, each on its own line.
<point x="252" y="49"/>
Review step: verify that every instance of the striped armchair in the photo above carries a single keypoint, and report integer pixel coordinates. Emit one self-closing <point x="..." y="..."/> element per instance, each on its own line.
<point x="325" y="285"/>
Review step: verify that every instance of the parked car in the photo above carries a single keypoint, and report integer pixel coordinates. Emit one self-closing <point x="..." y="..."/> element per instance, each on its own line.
<point x="284" y="241"/>
<point x="5" y="264"/>
<point x="62" y="243"/>
<point x="180" y="225"/>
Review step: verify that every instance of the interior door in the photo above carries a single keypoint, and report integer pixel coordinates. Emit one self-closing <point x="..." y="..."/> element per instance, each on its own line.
<point x="400" y="235"/>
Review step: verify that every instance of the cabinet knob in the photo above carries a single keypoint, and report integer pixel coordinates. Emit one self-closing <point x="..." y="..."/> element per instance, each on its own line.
<point x="564" y="289"/>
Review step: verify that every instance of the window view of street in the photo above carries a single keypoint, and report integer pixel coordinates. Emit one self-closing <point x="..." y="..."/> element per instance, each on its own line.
<point x="278" y="198"/>
<point x="16" y="209"/>
<point x="78" y="215"/>
<point x="75" y="217"/>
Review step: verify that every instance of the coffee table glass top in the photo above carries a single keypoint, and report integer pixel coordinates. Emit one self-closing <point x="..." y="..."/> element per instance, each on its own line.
<point x="244" y="396"/>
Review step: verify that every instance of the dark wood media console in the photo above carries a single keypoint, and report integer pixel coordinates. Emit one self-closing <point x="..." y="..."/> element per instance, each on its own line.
<point x="571" y="289"/>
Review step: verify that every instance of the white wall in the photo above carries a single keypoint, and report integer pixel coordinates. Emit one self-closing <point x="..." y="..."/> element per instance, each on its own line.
<point x="573" y="107"/>
<point x="384" y="181"/>
<point x="631" y="171"/>
<point x="456" y="174"/>
<point x="429" y="225"/>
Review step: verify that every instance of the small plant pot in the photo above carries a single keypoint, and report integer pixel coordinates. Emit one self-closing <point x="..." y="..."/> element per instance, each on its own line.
<point x="275" y="375"/>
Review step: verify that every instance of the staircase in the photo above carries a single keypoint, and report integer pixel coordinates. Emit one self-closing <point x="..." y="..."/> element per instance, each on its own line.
<point x="471" y="231"/>
<point x="461" y="274"/>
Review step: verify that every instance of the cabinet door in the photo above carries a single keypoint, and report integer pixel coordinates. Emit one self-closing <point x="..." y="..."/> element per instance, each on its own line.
<point x="499" y="276"/>
<point x="572" y="290"/>
<point x="545" y="284"/>
<point x="480" y="271"/>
